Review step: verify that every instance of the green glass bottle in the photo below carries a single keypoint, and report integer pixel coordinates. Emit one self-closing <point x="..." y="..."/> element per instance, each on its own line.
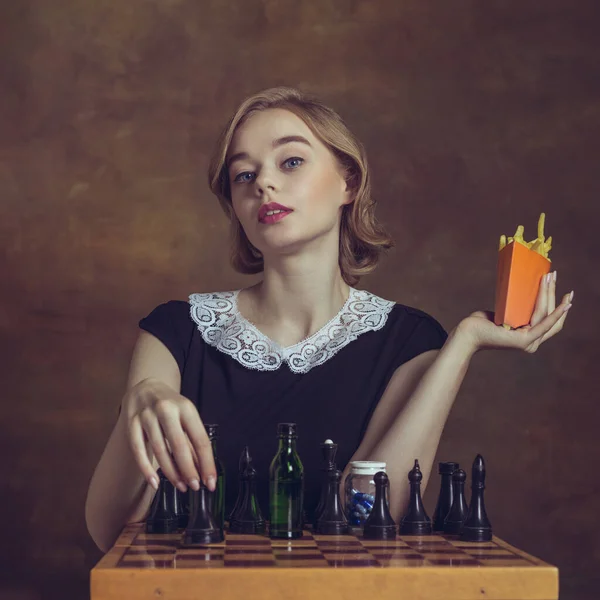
<point x="286" y="486"/>
<point x="218" y="496"/>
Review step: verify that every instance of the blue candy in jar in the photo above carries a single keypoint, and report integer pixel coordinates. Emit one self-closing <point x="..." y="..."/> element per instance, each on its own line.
<point x="359" y="490"/>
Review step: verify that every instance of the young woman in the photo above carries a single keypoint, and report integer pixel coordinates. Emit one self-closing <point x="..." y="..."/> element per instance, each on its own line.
<point x="303" y="345"/>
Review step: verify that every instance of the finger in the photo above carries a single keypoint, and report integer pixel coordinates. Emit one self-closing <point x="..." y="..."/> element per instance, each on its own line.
<point x="140" y="452"/>
<point x="541" y="305"/>
<point x="180" y="449"/>
<point x="552" y="293"/>
<point x="546" y="324"/>
<point x="196" y="432"/>
<point x="156" y="437"/>
<point x="560" y="323"/>
<point x="555" y="328"/>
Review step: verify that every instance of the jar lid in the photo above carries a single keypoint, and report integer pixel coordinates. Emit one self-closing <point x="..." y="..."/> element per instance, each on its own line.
<point x="367" y="467"/>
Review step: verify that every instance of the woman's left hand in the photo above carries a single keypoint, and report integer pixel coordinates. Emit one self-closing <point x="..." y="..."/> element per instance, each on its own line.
<point x="547" y="320"/>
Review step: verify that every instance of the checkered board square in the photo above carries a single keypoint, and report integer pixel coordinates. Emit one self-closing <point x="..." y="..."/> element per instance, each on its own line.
<point x="157" y="551"/>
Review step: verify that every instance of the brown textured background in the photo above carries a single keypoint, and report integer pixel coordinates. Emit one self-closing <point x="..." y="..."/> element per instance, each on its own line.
<point x="476" y="117"/>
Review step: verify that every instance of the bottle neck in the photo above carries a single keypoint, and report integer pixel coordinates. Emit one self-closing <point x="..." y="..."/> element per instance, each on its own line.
<point x="287" y="444"/>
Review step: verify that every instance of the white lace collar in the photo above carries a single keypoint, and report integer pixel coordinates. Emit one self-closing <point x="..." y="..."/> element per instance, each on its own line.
<point x="223" y="327"/>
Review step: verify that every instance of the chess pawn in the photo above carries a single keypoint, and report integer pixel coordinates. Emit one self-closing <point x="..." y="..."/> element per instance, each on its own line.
<point x="248" y="518"/>
<point x="416" y="521"/>
<point x="458" y="511"/>
<point x="244" y="462"/>
<point x="380" y="525"/>
<point x="477" y="526"/>
<point x="328" y="451"/>
<point x="332" y="520"/>
<point x="164" y="511"/>
<point x="203" y="527"/>
<point x="444" y="503"/>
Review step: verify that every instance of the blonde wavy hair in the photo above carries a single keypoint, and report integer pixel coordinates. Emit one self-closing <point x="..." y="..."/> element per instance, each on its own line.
<point x="362" y="238"/>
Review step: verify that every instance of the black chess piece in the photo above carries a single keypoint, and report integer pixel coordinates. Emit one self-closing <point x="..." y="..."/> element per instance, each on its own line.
<point x="380" y="525"/>
<point x="248" y="518"/>
<point x="444" y="503"/>
<point x="328" y="451"/>
<point x="183" y="512"/>
<point x="332" y="520"/>
<point x="458" y="511"/>
<point x="244" y="462"/>
<point x="477" y="526"/>
<point x="203" y="527"/>
<point x="164" y="511"/>
<point x="415" y="521"/>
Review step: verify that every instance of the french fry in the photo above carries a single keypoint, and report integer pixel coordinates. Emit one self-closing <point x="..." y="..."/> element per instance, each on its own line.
<point x="521" y="266"/>
<point x="539" y="244"/>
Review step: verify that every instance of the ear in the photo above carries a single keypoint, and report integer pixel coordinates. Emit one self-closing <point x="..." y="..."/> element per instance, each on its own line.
<point x="348" y="193"/>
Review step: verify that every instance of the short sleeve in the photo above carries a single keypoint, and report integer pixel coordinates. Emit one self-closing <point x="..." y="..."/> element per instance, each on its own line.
<point x="418" y="333"/>
<point x="171" y="324"/>
<point x="427" y="335"/>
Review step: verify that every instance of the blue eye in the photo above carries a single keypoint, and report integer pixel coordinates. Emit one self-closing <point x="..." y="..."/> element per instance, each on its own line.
<point x="293" y="158"/>
<point x="240" y="178"/>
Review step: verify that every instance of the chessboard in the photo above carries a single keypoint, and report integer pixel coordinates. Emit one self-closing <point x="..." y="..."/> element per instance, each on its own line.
<point x="142" y="565"/>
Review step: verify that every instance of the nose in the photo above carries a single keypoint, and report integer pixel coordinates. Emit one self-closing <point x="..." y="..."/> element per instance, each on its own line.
<point x="264" y="181"/>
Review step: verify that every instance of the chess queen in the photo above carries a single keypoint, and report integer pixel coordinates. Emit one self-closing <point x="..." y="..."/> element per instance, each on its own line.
<point x="304" y="344"/>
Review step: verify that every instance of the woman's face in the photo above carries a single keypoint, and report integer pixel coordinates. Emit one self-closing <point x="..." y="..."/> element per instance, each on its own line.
<point x="275" y="163"/>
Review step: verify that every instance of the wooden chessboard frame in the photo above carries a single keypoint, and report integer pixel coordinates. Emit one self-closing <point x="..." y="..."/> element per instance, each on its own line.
<point x="433" y="567"/>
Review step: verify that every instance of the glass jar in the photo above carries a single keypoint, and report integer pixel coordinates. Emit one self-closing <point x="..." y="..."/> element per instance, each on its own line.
<point x="359" y="490"/>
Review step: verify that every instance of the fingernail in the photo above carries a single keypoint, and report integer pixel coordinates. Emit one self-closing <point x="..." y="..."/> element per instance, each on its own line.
<point x="571" y="295"/>
<point x="195" y="485"/>
<point x="554" y="276"/>
<point x="181" y="487"/>
<point x="154" y="483"/>
<point x="567" y="307"/>
<point x="211" y="483"/>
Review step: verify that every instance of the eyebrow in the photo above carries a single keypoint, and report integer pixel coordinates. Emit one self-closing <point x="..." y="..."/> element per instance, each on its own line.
<point x="276" y="143"/>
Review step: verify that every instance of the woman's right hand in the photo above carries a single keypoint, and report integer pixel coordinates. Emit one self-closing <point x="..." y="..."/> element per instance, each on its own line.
<point x="162" y="422"/>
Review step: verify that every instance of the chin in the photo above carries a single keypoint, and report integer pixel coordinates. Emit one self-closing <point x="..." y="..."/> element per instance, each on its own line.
<point x="280" y="244"/>
<point x="286" y="243"/>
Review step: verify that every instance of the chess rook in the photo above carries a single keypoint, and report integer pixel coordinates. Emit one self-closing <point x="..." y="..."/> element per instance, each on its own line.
<point x="477" y="527"/>
<point x="444" y="503"/>
<point x="458" y="511"/>
<point x="416" y="521"/>
<point x="380" y="525"/>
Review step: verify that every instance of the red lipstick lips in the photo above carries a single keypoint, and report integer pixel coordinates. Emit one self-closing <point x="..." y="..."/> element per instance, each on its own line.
<point x="263" y="217"/>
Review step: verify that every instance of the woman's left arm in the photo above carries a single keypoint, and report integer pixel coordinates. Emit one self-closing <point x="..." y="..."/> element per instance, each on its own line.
<point x="410" y="417"/>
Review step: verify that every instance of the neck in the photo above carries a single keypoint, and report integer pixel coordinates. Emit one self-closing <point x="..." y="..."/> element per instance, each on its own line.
<point x="298" y="295"/>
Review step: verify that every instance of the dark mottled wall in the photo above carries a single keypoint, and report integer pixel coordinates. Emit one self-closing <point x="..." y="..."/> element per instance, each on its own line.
<point x="476" y="116"/>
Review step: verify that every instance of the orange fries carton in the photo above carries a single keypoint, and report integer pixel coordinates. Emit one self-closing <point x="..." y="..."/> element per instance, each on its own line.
<point x="521" y="266"/>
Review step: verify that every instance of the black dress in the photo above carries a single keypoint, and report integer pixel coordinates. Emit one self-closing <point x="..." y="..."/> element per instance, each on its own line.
<point x="329" y="384"/>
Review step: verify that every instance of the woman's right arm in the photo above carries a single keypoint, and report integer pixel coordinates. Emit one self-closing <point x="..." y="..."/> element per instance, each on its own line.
<point x="156" y="427"/>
